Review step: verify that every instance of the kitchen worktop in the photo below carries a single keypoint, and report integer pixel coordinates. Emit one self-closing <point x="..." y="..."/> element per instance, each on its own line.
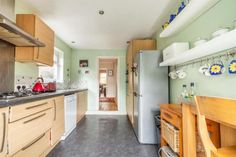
<point x="22" y="100"/>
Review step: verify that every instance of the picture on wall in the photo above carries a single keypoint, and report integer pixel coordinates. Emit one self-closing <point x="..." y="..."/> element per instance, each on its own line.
<point x="83" y="63"/>
<point x="110" y="72"/>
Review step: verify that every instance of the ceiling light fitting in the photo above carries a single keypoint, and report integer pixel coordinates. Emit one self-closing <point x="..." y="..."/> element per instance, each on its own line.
<point x="101" y="12"/>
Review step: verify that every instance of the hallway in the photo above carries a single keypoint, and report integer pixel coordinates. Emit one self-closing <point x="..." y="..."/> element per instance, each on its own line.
<point x="103" y="136"/>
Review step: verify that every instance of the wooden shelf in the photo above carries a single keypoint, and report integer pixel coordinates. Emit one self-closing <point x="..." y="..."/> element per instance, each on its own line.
<point x="215" y="45"/>
<point x="191" y="12"/>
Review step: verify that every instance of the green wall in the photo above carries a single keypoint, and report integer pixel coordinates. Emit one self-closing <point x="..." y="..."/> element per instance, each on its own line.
<point x="221" y="15"/>
<point x="90" y="80"/>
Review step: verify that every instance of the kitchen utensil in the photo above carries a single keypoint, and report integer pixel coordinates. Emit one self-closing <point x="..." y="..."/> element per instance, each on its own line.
<point x="165" y="25"/>
<point x="175" y="49"/>
<point x="172" y="17"/>
<point x="50" y="87"/>
<point x="38" y="86"/>
<point x="203" y="69"/>
<point x="232" y="67"/>
<point x="199" y="42"/>
<point x="181" y="74"/>
<point x="217" y="68"/>
<point x="182" y="6"/>
<point x="220" y="32"/>
<point x="173" y="75"/>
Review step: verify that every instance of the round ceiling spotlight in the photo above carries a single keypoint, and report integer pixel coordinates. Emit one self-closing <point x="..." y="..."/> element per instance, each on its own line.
<point x="73" y="42"/>
<point x="101" y="12"/>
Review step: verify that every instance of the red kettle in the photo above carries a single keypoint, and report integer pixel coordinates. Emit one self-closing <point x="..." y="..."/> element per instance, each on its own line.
<point x="38" y="86"/>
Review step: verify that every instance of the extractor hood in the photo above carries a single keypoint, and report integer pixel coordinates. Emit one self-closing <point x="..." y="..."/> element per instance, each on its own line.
<point x="11" y="33"/>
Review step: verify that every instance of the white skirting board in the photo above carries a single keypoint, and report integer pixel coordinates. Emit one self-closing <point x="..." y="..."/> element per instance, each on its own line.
<point x="105" y="113"/>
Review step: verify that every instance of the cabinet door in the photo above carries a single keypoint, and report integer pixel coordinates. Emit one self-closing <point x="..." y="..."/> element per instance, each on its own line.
<point x="81" y="105"/>
<point x="37" y="28"/>
<point x="58" y="127"/>
<point x="3" y="131"/>
<point x="46" y="35"/>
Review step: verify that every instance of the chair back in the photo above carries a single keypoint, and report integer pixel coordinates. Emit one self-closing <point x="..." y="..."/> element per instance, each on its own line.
<point x="216" y="109"/>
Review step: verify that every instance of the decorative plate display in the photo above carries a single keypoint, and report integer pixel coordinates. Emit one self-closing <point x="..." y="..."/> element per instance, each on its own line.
<point x="232" y="67"/>
<point x="216" y="69"/>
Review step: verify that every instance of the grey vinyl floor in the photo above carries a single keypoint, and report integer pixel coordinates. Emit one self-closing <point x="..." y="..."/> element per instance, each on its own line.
<point x="103" y="136"/>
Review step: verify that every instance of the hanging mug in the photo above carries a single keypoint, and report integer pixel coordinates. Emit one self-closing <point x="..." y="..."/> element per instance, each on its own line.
<point x="232" y="67"/>
<point x="217" y="68"/>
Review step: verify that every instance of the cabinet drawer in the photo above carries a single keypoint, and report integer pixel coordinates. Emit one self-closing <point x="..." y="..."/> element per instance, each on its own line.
<point x="171" y="118"/>
<point x="24" y="131"/>
<point x="36" y="148"/>
<point x="24" y="110"/>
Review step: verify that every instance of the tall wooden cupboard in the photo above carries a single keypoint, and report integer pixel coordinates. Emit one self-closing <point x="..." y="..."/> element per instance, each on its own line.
<point x="133" y="49"/>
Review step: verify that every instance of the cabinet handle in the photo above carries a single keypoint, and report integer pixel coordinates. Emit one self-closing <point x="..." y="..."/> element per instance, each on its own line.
<point x="25" y="122"/>
<point x="36" y="140"/>
<point x="37" y="57"/>
<point x="31" y="107"/>
<point x="55" y="110"/>
<point x="4" y="131"/>
<point x="167" y="115"/>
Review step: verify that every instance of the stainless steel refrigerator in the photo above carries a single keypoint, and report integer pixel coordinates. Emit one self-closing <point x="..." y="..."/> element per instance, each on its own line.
<point x="150" y="90"/>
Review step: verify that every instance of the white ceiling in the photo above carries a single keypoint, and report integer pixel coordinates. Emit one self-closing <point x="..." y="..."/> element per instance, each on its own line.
<point x="79" y="21"/>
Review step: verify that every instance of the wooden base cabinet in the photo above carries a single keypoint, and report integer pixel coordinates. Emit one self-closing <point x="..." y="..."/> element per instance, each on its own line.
<point x="133" y="49"/>
<point x="82" y="104"/>
<point x="3" y="131"/>
<point x="37" y="28"/>
<point x="58" y="126"/>
<point x="36" y="148"/>
<point x="26" y="131"/>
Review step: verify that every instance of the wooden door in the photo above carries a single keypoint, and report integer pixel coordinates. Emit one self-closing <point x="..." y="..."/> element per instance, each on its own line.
<point x="3" y="131"/>
<point x="58" y="127"/>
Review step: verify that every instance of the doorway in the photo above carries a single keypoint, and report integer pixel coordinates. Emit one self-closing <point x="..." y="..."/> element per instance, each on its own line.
<point x="108" y="84"/>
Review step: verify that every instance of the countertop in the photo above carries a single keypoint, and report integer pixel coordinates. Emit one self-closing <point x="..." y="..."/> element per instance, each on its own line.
<point x="22" y="100"/>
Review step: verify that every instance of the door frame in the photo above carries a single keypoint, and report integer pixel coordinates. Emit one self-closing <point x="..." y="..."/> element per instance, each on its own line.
<point x="117" y="81"/>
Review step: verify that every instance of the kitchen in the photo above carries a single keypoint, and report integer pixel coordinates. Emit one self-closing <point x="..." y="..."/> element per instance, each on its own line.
<point x="174" y="69"/>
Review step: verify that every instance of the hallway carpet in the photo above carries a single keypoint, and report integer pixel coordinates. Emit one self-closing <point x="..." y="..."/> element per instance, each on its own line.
<point x="103" y="136"/>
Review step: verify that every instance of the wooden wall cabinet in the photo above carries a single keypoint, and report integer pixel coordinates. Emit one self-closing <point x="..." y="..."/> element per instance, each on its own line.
<point x="3" y="131"/>
<point x="37" y="28"/>
<point x="82" y="104"/>
<point x="58" y="126"/>
<point x="133" y="49"/>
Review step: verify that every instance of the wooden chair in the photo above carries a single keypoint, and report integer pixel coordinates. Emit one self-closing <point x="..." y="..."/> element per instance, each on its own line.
<point x="219" y="110"/>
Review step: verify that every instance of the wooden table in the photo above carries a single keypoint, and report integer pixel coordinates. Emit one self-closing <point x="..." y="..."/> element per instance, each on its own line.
<point x="178" y="116"/>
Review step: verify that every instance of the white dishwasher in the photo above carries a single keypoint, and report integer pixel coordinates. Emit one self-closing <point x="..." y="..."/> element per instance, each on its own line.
<point x="70" y="114"/>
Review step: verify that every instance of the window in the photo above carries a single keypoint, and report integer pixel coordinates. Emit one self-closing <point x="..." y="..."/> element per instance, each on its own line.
<point x="54" y="73"/>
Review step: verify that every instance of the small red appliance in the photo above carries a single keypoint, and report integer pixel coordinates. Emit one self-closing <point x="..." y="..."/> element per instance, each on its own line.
<point x="38" y="86"/>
